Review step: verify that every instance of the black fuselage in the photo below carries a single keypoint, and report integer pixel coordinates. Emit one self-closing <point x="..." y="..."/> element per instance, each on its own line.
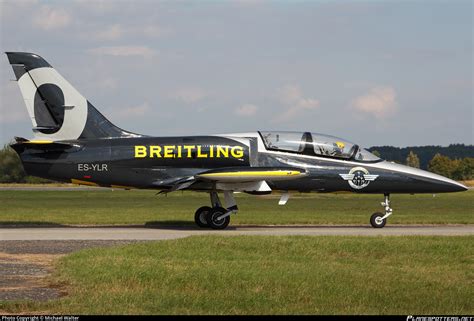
<point x="158" y="162"/>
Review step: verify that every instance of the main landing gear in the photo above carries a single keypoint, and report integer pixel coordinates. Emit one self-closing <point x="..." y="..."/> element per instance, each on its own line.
<point x="378" y="220"/>
<point x="216" y="217"/>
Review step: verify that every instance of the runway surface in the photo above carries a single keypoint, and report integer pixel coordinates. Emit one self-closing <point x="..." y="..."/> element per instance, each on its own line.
<point x="165" y="233"/>
<point x="28" y="254"/>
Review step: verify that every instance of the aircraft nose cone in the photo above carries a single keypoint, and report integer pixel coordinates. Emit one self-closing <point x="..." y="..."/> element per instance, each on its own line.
<point x="440" y="184"/>
<point x="458" y="187"/>
<point x="414" y="180"/>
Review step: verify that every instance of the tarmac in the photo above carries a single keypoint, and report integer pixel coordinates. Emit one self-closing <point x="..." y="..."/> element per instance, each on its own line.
<point x="26" y="266"/>
<point x="8" y="233"/>
<point x="28" y="254"/>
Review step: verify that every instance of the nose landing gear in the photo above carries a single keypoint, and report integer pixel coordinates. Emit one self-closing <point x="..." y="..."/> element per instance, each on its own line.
<point x="378" y="220"/>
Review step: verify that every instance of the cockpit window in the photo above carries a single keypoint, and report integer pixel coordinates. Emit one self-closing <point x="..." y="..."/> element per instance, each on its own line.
<point x="326" y="145"/>
<point x="365" y="156"/>
<point x="284" y="141"/>
<point x="314" y="144"/>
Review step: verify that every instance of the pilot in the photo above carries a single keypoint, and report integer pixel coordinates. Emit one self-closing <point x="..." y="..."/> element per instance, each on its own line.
<point x="338" y="149"/>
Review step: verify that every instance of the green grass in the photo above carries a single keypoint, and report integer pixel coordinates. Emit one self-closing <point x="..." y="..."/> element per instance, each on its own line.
<point x="140" y="207"/>
<point x="269" y="275"/>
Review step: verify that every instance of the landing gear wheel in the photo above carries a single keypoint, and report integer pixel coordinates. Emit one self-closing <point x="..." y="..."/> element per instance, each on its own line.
<point x="200" y="217"/>
<point x="214" y="222"/>
<point x="376" y="220"/>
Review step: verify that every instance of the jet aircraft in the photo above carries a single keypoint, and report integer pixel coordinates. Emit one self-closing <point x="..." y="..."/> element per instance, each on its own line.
<point x="74" y="142"/>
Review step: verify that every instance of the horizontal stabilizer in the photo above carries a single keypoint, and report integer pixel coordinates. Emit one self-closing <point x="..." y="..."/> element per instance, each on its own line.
<point x="22" y="144"/>
<point x="45" y="128"/>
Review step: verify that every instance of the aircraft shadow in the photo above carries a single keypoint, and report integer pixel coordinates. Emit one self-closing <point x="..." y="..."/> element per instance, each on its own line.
<point x="165" y="225"/>
<point x="32" y="224"/>
<point x="177" y="225"/>
<point x="190" y="226"/>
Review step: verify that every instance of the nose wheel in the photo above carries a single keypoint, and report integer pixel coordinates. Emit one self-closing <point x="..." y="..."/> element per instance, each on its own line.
<point x="378" y="220"/>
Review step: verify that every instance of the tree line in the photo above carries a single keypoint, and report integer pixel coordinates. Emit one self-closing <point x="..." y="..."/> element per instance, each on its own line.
<point x="458" y="169"/>
<point x="11" y="169"/>
<point x="424" y="153"/>
<point x="455" y="161"/>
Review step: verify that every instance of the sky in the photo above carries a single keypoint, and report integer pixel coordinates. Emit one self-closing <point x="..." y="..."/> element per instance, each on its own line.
<point x="373" y="72"/>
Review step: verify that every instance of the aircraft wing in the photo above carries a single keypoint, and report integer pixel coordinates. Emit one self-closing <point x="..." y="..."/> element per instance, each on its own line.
<point x="248" y="179"/>
<point x="251" y="174"/>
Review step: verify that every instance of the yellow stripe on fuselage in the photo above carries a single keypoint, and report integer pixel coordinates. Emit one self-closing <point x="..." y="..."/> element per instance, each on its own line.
<point x="80" y="182"/>
<point x="39" y="142"/>
<point x="252" y="174"/>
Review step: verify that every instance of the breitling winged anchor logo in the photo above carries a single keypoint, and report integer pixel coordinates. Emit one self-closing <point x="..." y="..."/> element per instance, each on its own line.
<point x="359" y="177"/>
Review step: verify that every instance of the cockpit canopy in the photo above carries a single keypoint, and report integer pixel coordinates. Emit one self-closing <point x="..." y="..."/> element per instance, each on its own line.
<point x="314" y="144"/>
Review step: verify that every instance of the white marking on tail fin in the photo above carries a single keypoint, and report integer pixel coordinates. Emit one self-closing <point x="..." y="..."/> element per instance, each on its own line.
<point x="74" y="118"/>
<point x="26" y="87"/>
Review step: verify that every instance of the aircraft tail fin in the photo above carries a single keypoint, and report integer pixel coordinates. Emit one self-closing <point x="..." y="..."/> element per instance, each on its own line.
<point x="56" y="109"/>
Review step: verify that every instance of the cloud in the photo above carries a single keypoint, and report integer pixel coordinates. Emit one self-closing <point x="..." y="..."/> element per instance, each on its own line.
<point x="118" y="31"/>
<point x="112" y="32"/>
<point x="99" y="6"/>
<point x="49" y="18"/>
<point x="292" y="96"/>
<point x="136" y="111"/>
<point x="189" y="95"/>
<point x="379" y="101"/>
<point x="107" y="83"/>
<point x="9" y="9"/>
<point x="123" y="51"/>
<point x="154" y="31"/>
<point x="246" y="110"/>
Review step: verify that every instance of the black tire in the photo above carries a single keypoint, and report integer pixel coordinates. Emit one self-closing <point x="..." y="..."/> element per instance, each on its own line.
<point x="216" y="224"/>
<point x="375" y="220"/>
<point x="200" y="217"/>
